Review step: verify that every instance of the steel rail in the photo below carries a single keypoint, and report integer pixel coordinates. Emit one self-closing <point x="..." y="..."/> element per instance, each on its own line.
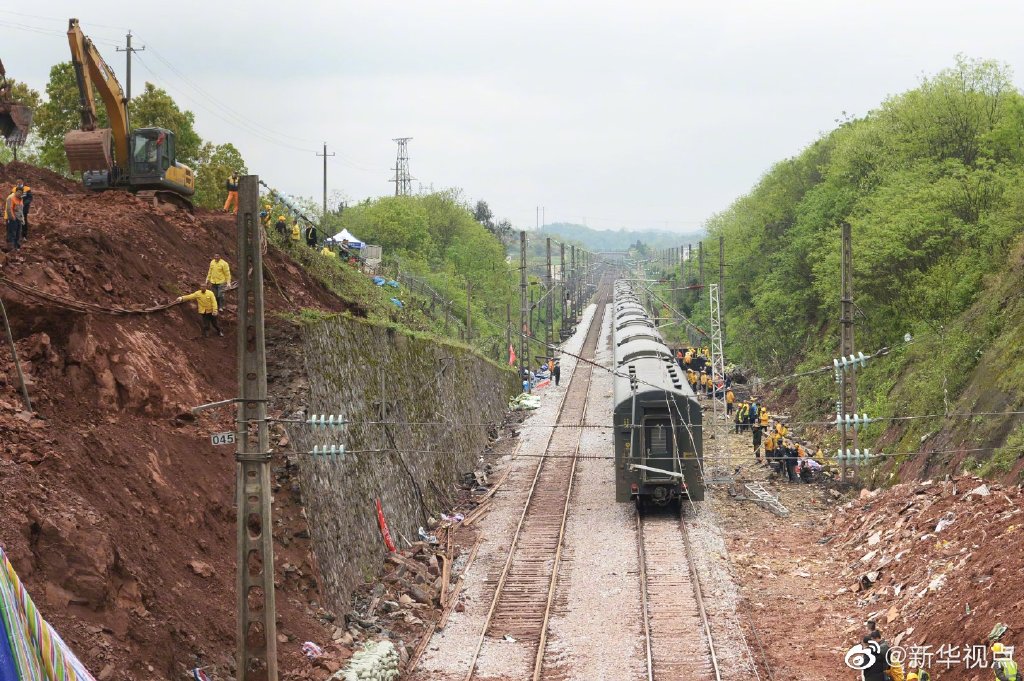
<point x="539" y="660"/>
<point x="595" y="324"/>
<point x="698" y="592"/>
<point x="642" y="556"/>
<point x="650" y="632"/>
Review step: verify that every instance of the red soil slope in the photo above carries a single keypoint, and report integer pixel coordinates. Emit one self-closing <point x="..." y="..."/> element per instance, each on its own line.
<point x="114" y="508"/>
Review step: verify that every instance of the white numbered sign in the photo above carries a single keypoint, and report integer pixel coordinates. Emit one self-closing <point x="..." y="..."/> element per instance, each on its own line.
<point x="227" y="438"/>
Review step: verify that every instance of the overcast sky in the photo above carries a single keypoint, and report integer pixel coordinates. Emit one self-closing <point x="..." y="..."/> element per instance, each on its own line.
<point x="636" y="114"/>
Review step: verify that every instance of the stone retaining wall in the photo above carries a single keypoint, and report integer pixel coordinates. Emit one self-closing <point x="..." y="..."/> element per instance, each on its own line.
<point x="428" y="394"/>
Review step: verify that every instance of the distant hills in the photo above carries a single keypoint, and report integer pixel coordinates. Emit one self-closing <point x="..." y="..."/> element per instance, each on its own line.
<point x="622" y="239"/>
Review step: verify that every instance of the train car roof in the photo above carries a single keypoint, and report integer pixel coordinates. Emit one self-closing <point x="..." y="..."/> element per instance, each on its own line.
<point x="655" y="383"/>
<point x="630" y="311"/>
<point x="641" y="347"/>
<point x="637" y="331"/>
<point x="634" y="321"/>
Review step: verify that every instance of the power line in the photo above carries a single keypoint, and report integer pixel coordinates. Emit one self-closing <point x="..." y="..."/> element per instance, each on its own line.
<point x="234" y="117"/>
<point x="211" y="106"/>
<point x="62" y="20"/>
<point x="51" y="32"/>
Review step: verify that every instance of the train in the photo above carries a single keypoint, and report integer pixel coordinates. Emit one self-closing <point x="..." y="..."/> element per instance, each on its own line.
<point x="656" y="418"/>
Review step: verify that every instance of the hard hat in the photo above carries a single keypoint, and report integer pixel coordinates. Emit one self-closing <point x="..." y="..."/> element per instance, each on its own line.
<point x="280" y="217"/>
<point x="997" y="647"/>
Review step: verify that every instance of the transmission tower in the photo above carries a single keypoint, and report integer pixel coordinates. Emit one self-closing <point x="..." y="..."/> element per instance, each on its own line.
<point x="719" y="469"/>
<point x="403" y="180"/>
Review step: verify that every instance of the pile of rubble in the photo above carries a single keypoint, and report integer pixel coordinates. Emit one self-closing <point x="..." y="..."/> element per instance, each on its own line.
<point x="934" y="563"/>
<point x="393" y="618"/>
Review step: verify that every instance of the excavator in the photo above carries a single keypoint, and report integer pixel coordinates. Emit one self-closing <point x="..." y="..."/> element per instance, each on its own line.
<point x="15" y="118"/>
<point x="143" y="160"/>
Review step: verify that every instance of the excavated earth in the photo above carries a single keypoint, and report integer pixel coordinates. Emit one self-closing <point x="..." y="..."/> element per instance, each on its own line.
<point x="115" y="509"/>
<point x="933" y="563"/>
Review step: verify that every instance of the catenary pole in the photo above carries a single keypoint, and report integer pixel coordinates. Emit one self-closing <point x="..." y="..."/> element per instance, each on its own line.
<point x="848" y="378"/>
<point x="550" y="313"/>
<point x="523" y="329"/>
<point x="561" y="284"/>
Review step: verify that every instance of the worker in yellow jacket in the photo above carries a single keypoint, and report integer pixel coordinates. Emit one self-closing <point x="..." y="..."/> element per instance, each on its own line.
<point x="326" y="250"/>
<point x="219" y="278"/>
<point x="206" y="302"/>
<point x="730" y="398"/>
<point x="769" y="449"/>
<point x="296" y="233"/>
<point x="1003" y="665"/>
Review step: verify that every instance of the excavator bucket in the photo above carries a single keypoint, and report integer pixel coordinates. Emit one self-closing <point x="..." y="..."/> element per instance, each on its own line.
<point x="89" y="149"/>
<point x="15" y="120"/>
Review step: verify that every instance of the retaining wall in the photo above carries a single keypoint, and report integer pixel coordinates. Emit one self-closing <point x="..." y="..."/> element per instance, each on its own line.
<point x="426" y="392"/>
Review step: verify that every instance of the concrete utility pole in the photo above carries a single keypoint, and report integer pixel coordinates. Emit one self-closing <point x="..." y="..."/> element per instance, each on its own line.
<point x="508" y="326"/>
<point x="533" y="310"/>
<point x="549" y="290"/>
<point x="700" y="263"/>
<point x="561" y="284"/>
<point x="325" y="155"/>
<point x="848" y="378"/>
<point x="128" y="74"/>
<point x="522" y="301"/>
<point x="575" y="300"/>
<point x="256" y="631"/>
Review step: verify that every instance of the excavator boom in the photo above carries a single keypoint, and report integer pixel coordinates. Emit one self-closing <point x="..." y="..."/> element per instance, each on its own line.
<point x="90" y="148"/>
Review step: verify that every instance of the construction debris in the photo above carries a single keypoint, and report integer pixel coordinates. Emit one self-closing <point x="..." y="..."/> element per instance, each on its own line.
<point x="933" y="566"/>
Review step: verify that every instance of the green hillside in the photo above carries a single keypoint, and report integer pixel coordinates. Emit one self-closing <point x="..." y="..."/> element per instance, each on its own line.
<point x="932" y="183"/>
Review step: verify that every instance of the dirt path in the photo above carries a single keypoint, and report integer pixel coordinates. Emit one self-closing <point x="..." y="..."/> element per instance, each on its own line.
<point x="787" y="579"/>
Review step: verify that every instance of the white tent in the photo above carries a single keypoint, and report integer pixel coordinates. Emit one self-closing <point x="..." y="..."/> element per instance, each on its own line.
<point x="347" y="235"/>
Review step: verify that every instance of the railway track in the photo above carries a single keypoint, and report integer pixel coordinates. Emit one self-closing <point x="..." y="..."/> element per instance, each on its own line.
<point x="524" y="592"/>
<point x="677" y="633"/>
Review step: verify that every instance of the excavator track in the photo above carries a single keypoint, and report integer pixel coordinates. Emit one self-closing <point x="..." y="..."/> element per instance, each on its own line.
<point x="160" y="197"/>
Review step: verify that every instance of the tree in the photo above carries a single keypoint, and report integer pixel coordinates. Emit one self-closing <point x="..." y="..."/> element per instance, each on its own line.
<point x="213" y="165"/>
<point x="482" y="213"/>
<point x="21" y="94"/>
<point x="155" y="108"/>
<point x="59" y="115"/>
<point x="504" y="231"/>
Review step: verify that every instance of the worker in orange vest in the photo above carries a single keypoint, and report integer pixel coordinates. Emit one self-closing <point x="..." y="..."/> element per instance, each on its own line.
<point x="232" y="186"/>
